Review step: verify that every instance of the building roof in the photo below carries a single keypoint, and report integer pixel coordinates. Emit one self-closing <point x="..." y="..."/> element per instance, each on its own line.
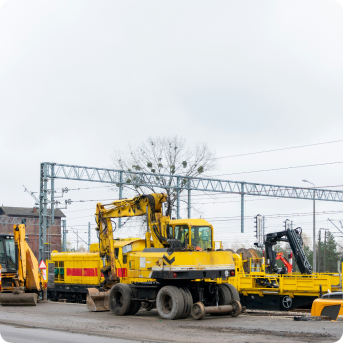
<point x="26" y="212"/>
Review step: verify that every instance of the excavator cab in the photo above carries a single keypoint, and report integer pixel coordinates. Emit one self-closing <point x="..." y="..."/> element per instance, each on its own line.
<point x="7" y="260"/>
<point x="196" y="237"/>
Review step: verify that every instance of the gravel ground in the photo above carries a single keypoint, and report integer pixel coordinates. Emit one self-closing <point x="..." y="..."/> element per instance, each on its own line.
<point x="149" y="327"/>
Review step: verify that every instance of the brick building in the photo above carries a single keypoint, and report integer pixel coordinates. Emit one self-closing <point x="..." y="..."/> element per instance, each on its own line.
<point x="13" y="215"/>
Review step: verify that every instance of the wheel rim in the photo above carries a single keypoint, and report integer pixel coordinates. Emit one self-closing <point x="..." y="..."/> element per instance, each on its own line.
<point x="197" y="310"/>
<point x="118" y="299"/>
<point x="167" y="303"/>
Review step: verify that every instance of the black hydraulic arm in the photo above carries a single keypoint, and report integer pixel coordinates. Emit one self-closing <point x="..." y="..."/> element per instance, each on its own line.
<point x="270" y="240"/>
<point x="293" y="237"/>
<point x="296" y="243"/>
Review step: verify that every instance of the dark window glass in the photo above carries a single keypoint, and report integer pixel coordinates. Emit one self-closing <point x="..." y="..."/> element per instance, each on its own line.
<point x="10" y="253"/>
<point x="182" y="234"/>
<point x="201" y="237"/>
<point x="2" y="254"/>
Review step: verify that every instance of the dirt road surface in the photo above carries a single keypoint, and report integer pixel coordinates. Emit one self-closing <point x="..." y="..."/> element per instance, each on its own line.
<point x="149" y="327"/>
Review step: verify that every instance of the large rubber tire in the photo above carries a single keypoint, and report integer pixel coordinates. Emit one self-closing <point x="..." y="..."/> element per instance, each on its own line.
<point x="170" y="302"/>
<point x="120" y="299"/>
<point x="224" y="299"/>
<point x="188" y="299"/>
<point x="135" y="305"/>
<point x="233" y="291"/>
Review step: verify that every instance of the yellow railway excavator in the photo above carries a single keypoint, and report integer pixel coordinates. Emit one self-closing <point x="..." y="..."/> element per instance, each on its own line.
<point x="20" y="276"/>
<point x="174" y="268"/>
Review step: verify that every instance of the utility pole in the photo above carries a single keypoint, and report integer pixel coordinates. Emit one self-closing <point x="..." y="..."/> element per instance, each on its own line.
<point x="319" y="244"/>
<point x="242" y="207"/>
<point x="120" y="193"/>
<point x="324" y="251"/>
<point x="178" y="198"/>
<point x="319" y="249"/>
<point x="189" y="199"/>
<point x="64" y="235"/>
<point x="77" y="240"/>
<point x="89" y="236"/>
<point x="314" y="225"/>
<point x="314" y="229"/>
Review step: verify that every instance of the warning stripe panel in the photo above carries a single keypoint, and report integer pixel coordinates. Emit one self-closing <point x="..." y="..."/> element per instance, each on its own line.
<point x="82" y="272"/>
<point x="121" y="272"/>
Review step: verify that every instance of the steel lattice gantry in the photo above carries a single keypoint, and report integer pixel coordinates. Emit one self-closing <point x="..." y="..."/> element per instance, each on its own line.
<point x="51" y="171"/>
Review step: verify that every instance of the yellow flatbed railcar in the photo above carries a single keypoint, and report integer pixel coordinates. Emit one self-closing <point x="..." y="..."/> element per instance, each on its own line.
<point x="279" y="292"/>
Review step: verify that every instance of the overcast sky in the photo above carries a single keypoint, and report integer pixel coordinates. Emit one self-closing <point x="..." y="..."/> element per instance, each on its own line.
<point x="79" y="79"/>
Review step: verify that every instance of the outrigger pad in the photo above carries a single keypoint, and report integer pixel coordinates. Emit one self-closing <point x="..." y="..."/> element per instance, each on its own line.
<point x="21" y="299"/>
<point x="97" y="301"/>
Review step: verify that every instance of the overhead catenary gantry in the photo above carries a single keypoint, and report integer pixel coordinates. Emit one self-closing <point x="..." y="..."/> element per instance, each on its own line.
<point x="52" y="171"/>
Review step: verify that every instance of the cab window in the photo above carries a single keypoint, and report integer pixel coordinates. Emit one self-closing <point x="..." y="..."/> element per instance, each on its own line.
<point x="201" y="237"/>
<point x="10" y="253"/>
<point x="182" y="234"/>
<point x="2" y="254"/>
<point x="170" y="232"/>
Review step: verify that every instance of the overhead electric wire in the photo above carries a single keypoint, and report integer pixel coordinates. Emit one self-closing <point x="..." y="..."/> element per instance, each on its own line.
<point x="265" y="151"/>
<point x="231" y="218"/>
<point x="283" y="168"/>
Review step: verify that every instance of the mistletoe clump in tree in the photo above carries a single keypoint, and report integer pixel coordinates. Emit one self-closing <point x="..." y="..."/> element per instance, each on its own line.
<point x="167" y="156"/>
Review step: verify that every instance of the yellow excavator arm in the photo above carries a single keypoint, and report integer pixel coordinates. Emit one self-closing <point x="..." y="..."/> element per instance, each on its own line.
<point x="28" y="272"/>
<point x="150" y="205"/>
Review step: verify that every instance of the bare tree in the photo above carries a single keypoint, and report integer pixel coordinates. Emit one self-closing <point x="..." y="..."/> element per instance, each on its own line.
<point x="167" y="156"/>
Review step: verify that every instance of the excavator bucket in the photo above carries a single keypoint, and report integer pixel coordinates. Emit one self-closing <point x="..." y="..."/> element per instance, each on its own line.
<point x="21" y="299"/>
<point x="97" y="301"/>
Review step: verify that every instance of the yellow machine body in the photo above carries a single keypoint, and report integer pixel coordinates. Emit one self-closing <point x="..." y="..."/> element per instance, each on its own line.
<point x="328" y="307"/>
<point x="139" y="264"/>
<point x="21" y="287"/>
<point x="288" y="284"/>
<point x="293" y="290"/>
<point x="70" y="274"/>
<point x="81" y="268"/>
